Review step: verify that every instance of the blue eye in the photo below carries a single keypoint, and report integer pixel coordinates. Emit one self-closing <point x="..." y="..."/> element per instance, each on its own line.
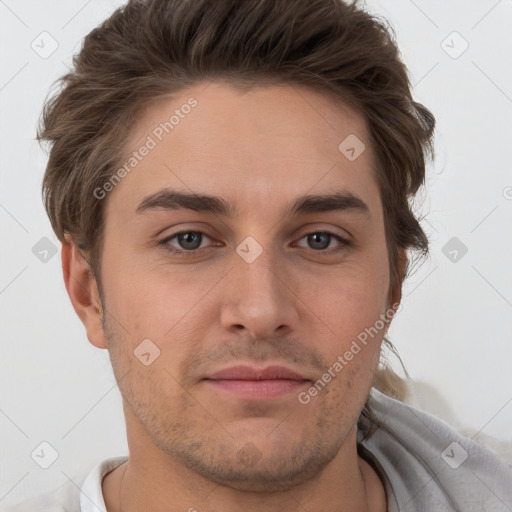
<point x="318" y="240"/>
<point x="190" y="242"/>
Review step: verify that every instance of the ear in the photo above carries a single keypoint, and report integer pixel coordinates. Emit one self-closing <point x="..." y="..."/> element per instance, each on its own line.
<point x="83" y="292"/>
<point x="395" y="296"/>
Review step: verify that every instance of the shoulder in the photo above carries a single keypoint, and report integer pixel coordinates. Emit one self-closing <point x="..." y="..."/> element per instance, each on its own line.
<point x="82" y="494"/>
<point x="62" y="499"/>
<point x="430" y="464"/>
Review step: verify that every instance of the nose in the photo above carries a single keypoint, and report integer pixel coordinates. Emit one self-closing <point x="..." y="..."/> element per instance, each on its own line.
<point x="259" y="297"/>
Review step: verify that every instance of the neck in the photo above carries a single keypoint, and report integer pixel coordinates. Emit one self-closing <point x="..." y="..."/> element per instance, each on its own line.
<point x="150" y="480"/>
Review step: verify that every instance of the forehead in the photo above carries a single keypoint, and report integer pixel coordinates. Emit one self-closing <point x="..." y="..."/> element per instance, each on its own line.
<point x="258" y="147"/>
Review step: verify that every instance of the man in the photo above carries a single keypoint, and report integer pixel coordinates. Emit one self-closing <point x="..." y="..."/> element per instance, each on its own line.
<point x="230" y="182"/>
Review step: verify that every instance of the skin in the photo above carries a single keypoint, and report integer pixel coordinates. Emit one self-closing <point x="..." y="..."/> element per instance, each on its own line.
<point x="293" y="306"/>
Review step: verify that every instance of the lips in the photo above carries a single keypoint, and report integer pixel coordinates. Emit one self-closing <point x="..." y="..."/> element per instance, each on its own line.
<point x="260" y="384"/>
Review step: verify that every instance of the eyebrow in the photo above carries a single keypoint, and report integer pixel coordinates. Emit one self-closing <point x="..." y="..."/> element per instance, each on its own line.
<point x="167" y="199"/>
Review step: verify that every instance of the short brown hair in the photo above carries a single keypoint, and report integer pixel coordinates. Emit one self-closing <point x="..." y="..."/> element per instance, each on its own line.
<point x="149" y="49"/>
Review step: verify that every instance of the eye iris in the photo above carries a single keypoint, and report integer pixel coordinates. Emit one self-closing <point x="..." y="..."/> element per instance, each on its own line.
<point x="191" y="237"/>
<point x="314" y="238"/>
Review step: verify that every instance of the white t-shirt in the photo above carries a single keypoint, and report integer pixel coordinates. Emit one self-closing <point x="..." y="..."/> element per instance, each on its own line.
<point x="427" y="466"/>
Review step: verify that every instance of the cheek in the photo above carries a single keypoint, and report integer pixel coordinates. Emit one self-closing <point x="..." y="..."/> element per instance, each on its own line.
<point x="353" y="299"/>
<point x="350" y="311"/>
<point x="157" y="304"/>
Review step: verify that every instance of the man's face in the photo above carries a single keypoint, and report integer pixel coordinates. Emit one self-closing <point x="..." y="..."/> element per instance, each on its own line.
<point x="300" y="303"/>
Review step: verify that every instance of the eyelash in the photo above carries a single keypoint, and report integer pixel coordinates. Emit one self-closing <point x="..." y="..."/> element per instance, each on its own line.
<point x="193" y="252"/>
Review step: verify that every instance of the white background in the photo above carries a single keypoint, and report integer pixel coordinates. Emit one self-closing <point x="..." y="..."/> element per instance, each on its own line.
<point x="455" y="330"/>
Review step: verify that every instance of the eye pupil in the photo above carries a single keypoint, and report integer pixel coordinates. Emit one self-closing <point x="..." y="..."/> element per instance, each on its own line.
<point x="190" y="237"/>
<point x="314" y="238"/>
